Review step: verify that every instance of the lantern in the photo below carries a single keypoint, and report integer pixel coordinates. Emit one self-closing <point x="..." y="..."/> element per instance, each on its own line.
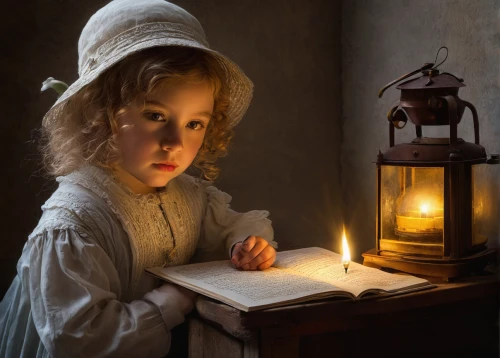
<point x="432" y="197"/>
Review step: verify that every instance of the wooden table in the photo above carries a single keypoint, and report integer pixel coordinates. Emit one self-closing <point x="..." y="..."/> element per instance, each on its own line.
<point x="451" y="320"/>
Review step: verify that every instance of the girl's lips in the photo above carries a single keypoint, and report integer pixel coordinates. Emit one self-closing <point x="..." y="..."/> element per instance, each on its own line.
<point x="165" y="167"/>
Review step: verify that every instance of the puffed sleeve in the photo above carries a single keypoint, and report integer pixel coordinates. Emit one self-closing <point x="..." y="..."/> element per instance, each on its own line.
<point x="74" y="290"/>
<point x="223" y="227"/>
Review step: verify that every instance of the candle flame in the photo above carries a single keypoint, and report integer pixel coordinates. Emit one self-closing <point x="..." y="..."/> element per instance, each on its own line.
<point x="346" y="255"/>
<point x="424" y="208"/>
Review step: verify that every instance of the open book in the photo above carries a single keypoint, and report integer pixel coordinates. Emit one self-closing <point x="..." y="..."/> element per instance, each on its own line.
<point x="296" y="276"/>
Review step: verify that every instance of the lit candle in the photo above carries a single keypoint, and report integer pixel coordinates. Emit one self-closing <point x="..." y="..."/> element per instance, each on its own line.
<point x="424" y="208"/>
<point x="346" y="255"/>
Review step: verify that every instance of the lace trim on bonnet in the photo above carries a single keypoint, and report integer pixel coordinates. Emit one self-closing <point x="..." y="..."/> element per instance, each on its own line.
<point x="155" y="240"/>
<point x="150" y="35"/>
<point x="141" y="33"/>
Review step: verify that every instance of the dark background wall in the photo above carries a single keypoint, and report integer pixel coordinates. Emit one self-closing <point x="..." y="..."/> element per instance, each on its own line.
<point x="285" y="156"/>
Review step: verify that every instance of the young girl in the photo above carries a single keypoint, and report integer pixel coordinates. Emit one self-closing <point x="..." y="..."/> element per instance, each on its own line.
<point x="151" y="101"/>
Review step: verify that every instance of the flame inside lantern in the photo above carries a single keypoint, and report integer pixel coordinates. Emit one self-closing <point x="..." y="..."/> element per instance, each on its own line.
<point x="424" y="209"/>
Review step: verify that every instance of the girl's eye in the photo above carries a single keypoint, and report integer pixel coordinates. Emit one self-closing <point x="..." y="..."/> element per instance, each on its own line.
<point x="196" y="125"/>
<point x="154" y="116"/>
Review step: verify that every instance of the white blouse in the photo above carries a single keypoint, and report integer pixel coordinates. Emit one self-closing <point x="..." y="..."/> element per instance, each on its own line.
<point x="81" y="280"/>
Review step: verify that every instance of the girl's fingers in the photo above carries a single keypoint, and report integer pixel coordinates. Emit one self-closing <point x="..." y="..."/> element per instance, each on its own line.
<point x="249" y="243"/>
<point x="256" y="250"/>
<point x="267" y="254"/>
<point x="242" y="249"/>
<point x="237" y="255"/>
<point x="266" y="264"/>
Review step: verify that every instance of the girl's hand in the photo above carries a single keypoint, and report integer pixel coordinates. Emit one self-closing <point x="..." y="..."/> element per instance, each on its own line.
<point x="254" y="253"/>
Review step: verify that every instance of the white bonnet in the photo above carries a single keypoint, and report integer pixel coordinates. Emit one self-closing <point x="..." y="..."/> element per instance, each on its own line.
<point x="123" y="27"/>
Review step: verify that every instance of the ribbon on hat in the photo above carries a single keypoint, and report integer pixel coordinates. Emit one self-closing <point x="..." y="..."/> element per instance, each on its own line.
<point x="59" y="86"/>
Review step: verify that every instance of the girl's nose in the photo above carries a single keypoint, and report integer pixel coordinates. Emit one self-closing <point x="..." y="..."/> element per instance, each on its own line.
<point x="171" y="140"/>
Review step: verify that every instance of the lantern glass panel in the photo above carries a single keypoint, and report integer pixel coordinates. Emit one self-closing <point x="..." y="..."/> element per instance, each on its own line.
<point x="412" y="209"/>
<point x="483" y="205"/>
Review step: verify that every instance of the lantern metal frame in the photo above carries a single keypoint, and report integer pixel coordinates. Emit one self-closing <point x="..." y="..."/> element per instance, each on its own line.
<point x="435" y="106"/>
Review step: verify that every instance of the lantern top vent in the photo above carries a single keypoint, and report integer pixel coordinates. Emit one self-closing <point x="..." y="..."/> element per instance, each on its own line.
<point x="432" y="79"/>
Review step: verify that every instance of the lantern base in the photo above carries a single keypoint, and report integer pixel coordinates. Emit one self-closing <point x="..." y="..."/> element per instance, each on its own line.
<point x="444" y="268"/>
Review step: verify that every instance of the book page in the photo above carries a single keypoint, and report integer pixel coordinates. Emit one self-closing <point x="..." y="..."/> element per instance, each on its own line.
<point x="245" y="289"/>
<point x="296" y="276"/>
<point x="324" y="265"/>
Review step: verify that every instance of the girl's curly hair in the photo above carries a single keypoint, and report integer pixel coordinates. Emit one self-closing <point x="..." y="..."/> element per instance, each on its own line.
<point x="83" y="131"/>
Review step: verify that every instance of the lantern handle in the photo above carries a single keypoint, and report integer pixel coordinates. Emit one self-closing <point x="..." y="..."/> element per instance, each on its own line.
<point x="453" y="119"/>
<point x="475" y="119"/>
<point x="426" y="66"/>
<point x="437" y="54"/>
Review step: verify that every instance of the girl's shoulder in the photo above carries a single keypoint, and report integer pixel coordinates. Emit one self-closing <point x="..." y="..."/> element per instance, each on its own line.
<point x="74" y="197"/>
<point x="76" y="208"/>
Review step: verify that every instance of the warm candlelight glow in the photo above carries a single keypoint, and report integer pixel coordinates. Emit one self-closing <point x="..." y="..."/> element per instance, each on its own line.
<point x="424" y="209"/>
<point x="346" y="255"/>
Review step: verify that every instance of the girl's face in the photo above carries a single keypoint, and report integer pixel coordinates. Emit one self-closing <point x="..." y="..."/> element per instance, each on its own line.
<point x="159" y="140"/>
